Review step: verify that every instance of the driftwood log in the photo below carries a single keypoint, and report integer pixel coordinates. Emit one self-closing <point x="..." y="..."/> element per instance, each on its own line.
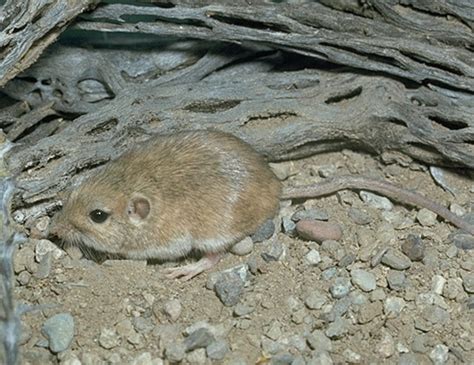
<point x="292" y="80"/>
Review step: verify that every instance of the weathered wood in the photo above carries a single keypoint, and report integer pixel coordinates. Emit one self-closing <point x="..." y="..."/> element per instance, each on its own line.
<point x="28" y="27"/>
<point x="308" y="79"/>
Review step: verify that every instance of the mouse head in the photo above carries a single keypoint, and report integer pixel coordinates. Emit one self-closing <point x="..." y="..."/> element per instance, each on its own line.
<point x="101" y="217"/>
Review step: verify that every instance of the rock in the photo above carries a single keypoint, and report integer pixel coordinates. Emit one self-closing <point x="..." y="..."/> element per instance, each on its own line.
<point x="59" y="330"/>
<point x="264" y="232"/>
<point x="318" y="341"/>
<point x="275" y="253"/>
<point x="200" y="338"/>
<point x="359" y="217"/>
<point x="241" y="310"/>
<point x="228" y="288"/>
<point x="172" y="309"/>
<point x="396" y="260"/>
<point x="369" y="311"/>
<point x="463" y="241"/>
<point x="318" y="231"/>
<point x="437" y="284"/>
<point x="44" y="267"/>
<point x="282" y="359"/>
<point x="393" y="306"/>
<point x="197" y="357"/>
<point x="175" y="352"/>
<point x="310" y="214"/>
<point x="288" y="225"/>
<point x="315" y="300"/>
<point x="340" y="288"/>
<point x="468" y="282"/>
<point x="273" y="331"/>
<point x="435" y="315"/>
<point x="396" y="279"/>
<point x="457" y="209"/>
<point x="108" y="338"/>
<point x="243" y="247"/>
<point x="24" y="277"/>
<point x="24" y="260"/>
<point x="217" y="350"/>
<point x="351" y="357"/>
<point x="426" y="217"/>
<point x="339" y="309"/>
<point x="347" y="260"/>
<point x="146" y="359"/>
<point x="312" y="257"/>
<point x="337" y="328"/>
<point x="363" y="279"/>
<point x="44" y="247"/>
<point x="320" y="358"/>
<point x="386" y="347"/>
<point x="414" y="247"/>
<point x="143" y="324"/>
<point x="440" y="354"/>
<point x="376" y="201"/>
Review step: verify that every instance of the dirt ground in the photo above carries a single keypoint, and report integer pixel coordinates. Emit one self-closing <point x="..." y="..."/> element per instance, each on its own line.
<point x="300" y="302"/>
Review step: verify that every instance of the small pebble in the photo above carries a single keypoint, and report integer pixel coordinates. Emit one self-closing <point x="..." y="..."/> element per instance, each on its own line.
<point x="313" y="257"/>
<point x="370" y="311"/>
<point x="318" y="231"/>
<point x="396" y="260"/>
<point x="172" y="309"/>
<point x="264" y="232"/>
<point x="352" y="357"/>
<point x="457" y="209"/>
<point x="359" y="216"/>
<point x="200" y="338"/>
<point x="340" y="288"/>
<point x="414" y="247"/>
<point x="243" y="247"/>
<point x="468" y="282"/>
<point x="44" y="267"/>
<point x="437" y="284"/>
<point x="24" y="260"/>
<point x="228" y="288"/>
<point x="440" y="354"/>
<point x="241" y="310"/>
<point x="347" y="260"/>
<point x="275" y="252"/>
<point x="310" y="214"/>
<point x="363" y="279"/>
<point x="386" y="347"/>
<point x="175" y="352"/>
<point x="376" y="201"/>
<point x="318" y="341"/>
<point x="396" y="279"/>
<point x="59" y="330"/>
<point x="315" y="300"/>
<point x="288" y="226"/>
<point x="108" y="338"/>
<point x="24" y="277"/>
<point x="426" y="217"/>
<point x="337" y="328"/>
<point x="217" y="350"/>
<point x="463" y="241"/>
<point x="44" y="247"/>
<point x="394" y="305"/>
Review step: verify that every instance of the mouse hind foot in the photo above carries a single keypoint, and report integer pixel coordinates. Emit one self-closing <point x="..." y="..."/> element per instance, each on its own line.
<point x="189" y="271"/>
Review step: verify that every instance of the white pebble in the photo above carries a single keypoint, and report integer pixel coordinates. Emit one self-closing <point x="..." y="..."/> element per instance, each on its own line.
<point x="313" y="257"/>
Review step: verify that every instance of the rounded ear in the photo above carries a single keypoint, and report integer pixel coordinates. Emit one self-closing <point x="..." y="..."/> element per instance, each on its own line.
<point x="138" y="208"/>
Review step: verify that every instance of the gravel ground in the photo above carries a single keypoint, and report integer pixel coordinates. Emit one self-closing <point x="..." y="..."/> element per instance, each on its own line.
<point x="347" y="279"/>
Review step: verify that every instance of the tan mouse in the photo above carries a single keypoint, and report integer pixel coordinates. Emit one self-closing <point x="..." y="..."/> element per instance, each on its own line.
<point x="192" y="191"/>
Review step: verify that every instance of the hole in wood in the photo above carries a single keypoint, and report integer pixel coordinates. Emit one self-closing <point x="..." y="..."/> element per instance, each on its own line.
<point x="211" y="105"/>
<point x="448" y="124"/>
<point x="344" y="96"/>
<point x="103" y="127"/>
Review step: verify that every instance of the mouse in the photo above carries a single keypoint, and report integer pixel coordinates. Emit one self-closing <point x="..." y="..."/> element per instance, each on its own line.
<point x="193" y="191"/>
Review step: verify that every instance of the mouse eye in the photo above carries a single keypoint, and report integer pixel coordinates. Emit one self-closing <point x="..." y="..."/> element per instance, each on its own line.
<point x="98" y="216"/>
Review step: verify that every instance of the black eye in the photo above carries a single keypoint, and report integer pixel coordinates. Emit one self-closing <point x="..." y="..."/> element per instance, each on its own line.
<point x="98" y="216"/>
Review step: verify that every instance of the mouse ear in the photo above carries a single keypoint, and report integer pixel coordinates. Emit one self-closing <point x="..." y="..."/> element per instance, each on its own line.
<point x="138" y="209"/>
